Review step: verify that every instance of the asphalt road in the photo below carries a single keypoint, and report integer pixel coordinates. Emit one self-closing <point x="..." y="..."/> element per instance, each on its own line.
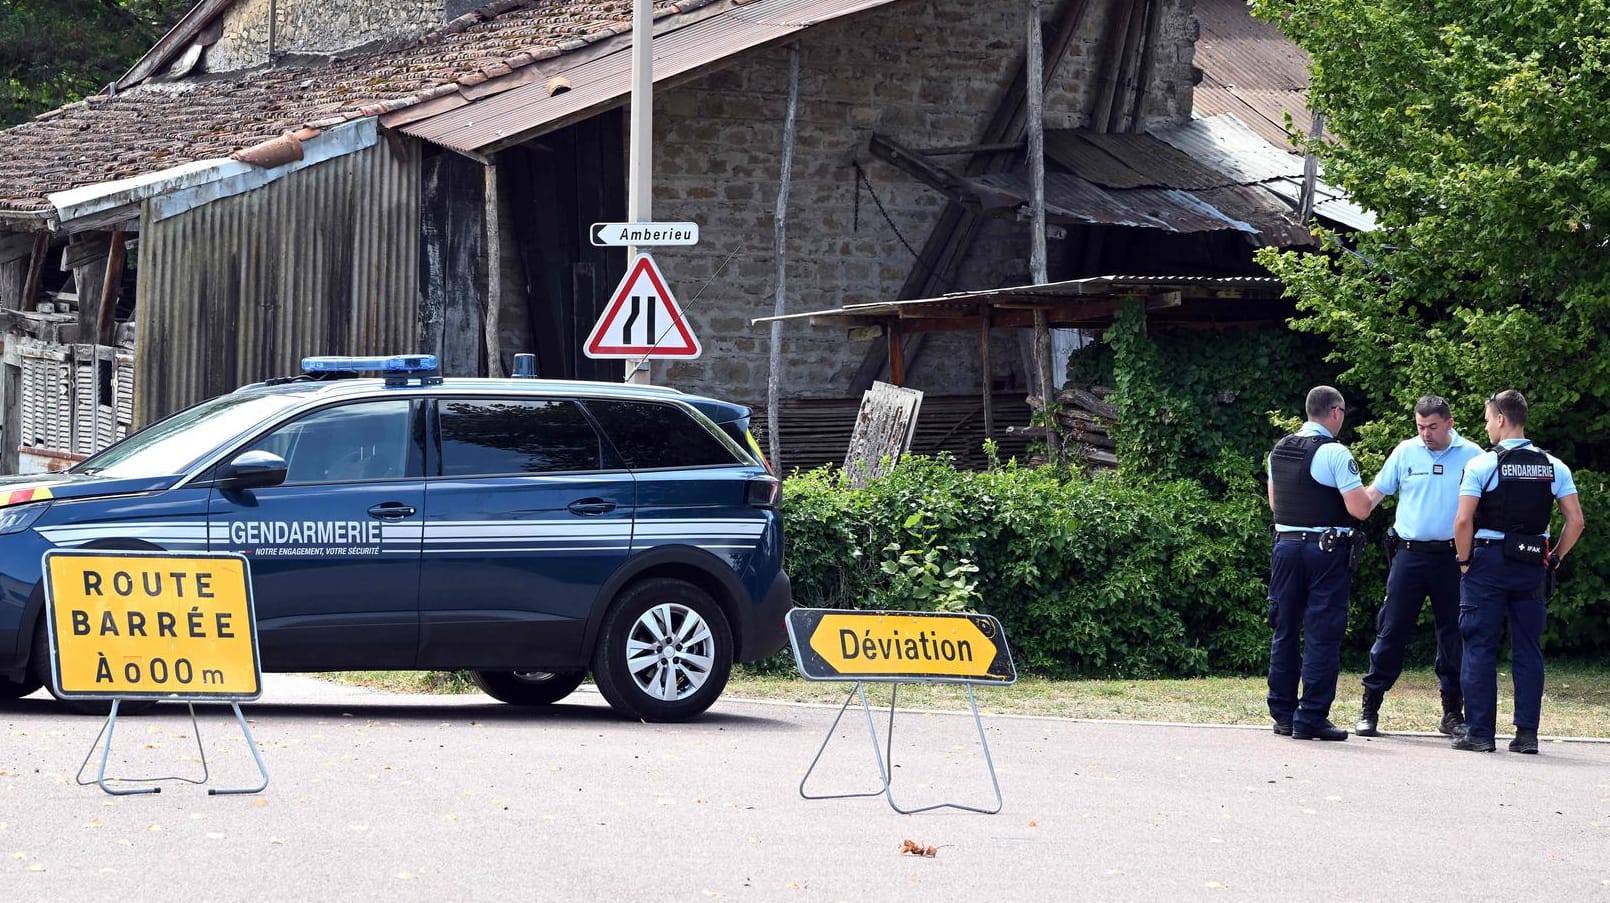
<point x="381" y="797"/>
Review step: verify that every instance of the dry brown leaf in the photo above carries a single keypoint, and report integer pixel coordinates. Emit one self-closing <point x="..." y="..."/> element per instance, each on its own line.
<point x="916" y="849"/>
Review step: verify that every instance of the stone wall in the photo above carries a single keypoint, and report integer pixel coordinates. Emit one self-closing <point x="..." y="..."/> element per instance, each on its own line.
<point x="316" y="27"/>
<point x="928" y="73"/>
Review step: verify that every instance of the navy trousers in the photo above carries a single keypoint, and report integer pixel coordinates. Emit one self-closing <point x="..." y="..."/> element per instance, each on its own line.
<point x="1496" y="589"/>
<point x="1308" y="604"/>
<point x="1414" y="576"/>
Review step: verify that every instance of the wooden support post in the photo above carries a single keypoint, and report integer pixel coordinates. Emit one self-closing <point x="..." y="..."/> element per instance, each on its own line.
<point x="1034" y="70"/>
<point x="494" y="275"/>
<point x="36" y="270"/>
<point x="774" y="437"/>
<point x="106" y="313"/>
<point x="897" y="358"/>
<point x="984" y="369"/>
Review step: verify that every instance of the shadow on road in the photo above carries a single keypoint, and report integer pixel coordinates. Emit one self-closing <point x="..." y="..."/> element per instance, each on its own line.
<point x="397" y="708"/>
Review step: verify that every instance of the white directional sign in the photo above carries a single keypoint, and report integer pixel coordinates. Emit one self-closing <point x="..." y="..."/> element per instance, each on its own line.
<point x="617" y="235"/>
<point x="642" y="320"/>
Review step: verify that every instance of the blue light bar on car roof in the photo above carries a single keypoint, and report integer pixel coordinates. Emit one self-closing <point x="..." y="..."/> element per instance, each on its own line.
<point x="383" y="363"/>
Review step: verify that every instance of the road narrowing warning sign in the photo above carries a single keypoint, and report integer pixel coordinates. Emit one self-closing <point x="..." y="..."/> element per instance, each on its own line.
<point x="900" y="646"/>
<point x="642" y="320"/>
<point x="135" y="625"/>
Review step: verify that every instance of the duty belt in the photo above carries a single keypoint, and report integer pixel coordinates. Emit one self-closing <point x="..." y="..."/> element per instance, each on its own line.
<point x="1302" y="535"/>
<point x="1425" y="545"/>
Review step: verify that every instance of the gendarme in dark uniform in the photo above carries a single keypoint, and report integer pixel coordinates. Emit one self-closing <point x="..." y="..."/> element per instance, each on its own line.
<point x="1318" y="501"/>
<point x="1505" y="552"/>
<point x="1424" y="472"/>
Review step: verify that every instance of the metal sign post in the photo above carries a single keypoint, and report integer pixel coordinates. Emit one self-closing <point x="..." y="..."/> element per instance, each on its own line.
<point x="898" y="647"/>
<point x="150" y="625"/>
<point x="640" y="178"/>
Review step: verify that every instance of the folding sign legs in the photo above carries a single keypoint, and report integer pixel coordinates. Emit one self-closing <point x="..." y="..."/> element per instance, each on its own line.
<point x="885" y="757"/>
<point x="982" y="742"/>
<point x="110" y="727"/>
<point x="858" y="690"/>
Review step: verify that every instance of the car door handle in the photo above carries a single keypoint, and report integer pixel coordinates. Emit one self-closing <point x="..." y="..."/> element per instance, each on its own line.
<point x="591" y="506"/>
<point x="391" y="511"/>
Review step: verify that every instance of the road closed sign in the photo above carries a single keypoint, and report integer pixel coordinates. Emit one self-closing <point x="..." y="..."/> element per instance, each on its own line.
<point x="900" y="646"/>
<point x="148" y="625"/>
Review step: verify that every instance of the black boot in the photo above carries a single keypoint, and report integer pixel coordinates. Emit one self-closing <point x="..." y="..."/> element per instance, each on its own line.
<point x="1370" y="714"/>
<point x="1453" y="713"/>
<point x="1525" y="740"/>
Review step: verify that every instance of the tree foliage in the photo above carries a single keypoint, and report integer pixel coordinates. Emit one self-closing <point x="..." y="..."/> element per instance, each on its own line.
<point x="1477" y="132"/>
<point x="53" y="52"/>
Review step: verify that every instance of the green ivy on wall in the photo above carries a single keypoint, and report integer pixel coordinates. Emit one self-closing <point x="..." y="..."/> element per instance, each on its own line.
<point x="1196" y="404"/>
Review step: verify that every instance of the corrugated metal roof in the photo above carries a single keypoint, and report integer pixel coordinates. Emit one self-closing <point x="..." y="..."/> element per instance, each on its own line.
<point x="1250" y="70"/>
<point x="1329" y="203"/>
<point x="1200" y="176"/>
<point x="1160" y="165"/>
<point x="1070" y="199"/>
<point x="1072" y="294"/>
<point x="1226" y="144"/>
<point x="1262" y="111"/>
<point x="490" y="123"/>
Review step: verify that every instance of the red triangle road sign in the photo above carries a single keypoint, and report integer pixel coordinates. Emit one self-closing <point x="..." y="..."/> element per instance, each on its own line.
<point x="642" y="319"/>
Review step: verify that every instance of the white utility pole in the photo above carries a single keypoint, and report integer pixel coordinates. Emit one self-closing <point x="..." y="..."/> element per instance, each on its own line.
<point x="640" y="179"/>
<point x="1034" y="85"/>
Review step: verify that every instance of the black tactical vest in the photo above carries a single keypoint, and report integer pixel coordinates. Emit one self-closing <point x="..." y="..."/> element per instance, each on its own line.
<point x="1301" y="500"/>
<point x="1521" y="498"/>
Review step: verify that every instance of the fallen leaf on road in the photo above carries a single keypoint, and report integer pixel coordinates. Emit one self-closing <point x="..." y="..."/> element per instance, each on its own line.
<point x="916" y="849"/>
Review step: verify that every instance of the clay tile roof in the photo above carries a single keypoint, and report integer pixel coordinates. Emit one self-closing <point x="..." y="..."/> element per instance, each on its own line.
<point x="157" y="125"/>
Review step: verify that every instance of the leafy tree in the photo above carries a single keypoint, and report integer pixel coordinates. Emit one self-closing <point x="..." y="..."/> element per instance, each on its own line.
<point x="53" y="52"/>
<point x="1477" y="132"/>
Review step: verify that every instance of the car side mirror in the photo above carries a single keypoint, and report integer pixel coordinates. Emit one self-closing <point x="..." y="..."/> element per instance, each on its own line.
<point x="252" y="470"/>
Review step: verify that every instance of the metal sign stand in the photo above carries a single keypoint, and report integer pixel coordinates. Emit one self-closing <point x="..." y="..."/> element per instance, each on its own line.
<point x="110" y="727"/>
<point x="885" y="757"/>
<point x="896" y="647"/>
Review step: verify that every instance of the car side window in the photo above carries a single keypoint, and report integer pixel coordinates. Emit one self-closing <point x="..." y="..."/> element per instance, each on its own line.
<point x="346" y="443"/>
<point x="487" y="436"/>
<point x="650" y="435"/>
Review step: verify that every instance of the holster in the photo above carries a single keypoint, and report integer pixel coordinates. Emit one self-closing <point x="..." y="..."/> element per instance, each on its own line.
<point x="1389" y="545"/>
<point x="1355" y="548"/>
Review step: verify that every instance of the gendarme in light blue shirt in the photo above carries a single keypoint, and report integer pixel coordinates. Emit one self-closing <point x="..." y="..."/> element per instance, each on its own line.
<point x="1429" y="485"/>
<point x="1333" y="465"/>
<point x="1479" y="476"/>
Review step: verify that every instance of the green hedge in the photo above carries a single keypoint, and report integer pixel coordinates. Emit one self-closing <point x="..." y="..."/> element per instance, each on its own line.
<point x="1102" y="576"/>
<point x="1091" y="576"/>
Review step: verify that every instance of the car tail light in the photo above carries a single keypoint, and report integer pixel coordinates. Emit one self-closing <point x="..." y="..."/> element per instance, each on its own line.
<point x="763" y="492"/>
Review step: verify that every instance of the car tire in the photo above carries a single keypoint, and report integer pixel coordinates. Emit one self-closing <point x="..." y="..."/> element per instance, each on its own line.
<point x="528" y="687"/>
<point x="664" y="651"/>
<point x="16" y="689"/>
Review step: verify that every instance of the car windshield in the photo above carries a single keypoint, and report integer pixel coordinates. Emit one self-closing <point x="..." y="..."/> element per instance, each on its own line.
<point x="174" y="445"/>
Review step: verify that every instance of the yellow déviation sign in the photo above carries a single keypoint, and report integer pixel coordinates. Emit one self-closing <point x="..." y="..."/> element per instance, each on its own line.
<point x="151" y="625"/>
<point x="831" y="644"/>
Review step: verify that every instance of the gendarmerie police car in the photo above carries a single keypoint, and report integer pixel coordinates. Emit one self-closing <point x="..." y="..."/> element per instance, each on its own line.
<point x="526" y="530"/>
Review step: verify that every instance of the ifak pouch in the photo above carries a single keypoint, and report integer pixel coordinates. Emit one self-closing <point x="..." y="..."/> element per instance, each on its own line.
<point x="1524" y="548"/>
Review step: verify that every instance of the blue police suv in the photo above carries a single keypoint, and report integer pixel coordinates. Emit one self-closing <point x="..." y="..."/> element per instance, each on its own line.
<point x="528" y="531"/>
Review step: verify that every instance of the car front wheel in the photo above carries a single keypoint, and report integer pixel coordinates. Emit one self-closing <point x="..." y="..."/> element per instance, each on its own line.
<point x="528" y="687"/>
<point x="101" y="707"/>
<point x="16" y="689"/>
<point x="665" y="651"/>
